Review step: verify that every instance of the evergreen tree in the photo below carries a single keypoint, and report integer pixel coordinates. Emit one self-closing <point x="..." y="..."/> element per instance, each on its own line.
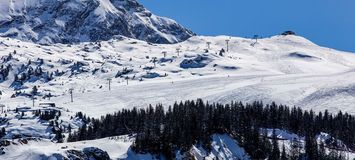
<point x="322" y="154"/>
<point x="284" y="154"/>
<point x="193" y="122"/>
<point x="69" y="128"/>
<point x="295" y="150"/>
<point x="311" y="147"/>
<point x="2" y="132"/>
<point x="275" y="153"/>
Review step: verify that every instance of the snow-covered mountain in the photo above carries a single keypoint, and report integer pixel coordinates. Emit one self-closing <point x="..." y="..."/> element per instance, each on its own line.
<point x="68" y="21"/>
<point x="101" y="56"/>
<point x="286" y="69"/>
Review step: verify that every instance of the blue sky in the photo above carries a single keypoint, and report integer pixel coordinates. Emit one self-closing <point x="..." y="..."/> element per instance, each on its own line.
<point x="328" y="23"/>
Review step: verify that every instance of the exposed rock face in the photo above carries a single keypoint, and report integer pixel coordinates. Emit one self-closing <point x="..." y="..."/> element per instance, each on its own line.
<point x="70" y="21"/>
<point x="90" y="153"/>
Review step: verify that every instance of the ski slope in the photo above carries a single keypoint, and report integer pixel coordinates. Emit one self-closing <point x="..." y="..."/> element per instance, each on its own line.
<point x="285" y="69"/>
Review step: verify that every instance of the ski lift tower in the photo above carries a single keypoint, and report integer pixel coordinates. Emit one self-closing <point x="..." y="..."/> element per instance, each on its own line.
<point x="71" y="94"/>
<point x="178" y="50"/>
<point x="1" y="105"/>
<point x="164" y="53"/>
<point x="256" y="38"/>
<point x="208" y="45"/>
<point x="2" y="108"/>
<point x="227" y="43"/>
<point x="109" y="83"/>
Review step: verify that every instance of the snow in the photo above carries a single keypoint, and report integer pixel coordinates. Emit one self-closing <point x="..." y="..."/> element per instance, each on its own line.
<point x="326" y="138"/>
<point x="116" y="147"/>
<point x="316" y="78"/>
<point x="4" y="11"/>
<point x="286" y="138"/>
<point x="14" y="7"/>
<point x="224" y="147"/>
<point x="105" y="7"/>
<point x="286" y="69"/>
<point x="280" y="134"/>
<point x="264" y="72"/>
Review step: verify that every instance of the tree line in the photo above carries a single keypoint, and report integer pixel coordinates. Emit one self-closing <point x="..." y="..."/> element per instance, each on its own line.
<point x="189" y="123"/>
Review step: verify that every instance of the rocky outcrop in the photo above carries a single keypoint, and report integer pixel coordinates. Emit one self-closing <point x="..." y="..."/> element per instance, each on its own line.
<point x="71" y="21"/>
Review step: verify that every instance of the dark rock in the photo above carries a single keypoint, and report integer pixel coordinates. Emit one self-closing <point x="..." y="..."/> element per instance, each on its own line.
<point x="288" y="33"/>
<point x="89" y="153"/>
<point x="96" y="153"/>
<point x="197" y="62"/>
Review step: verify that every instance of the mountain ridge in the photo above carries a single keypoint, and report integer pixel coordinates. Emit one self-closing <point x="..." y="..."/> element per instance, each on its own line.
<point x="63" y="21"/>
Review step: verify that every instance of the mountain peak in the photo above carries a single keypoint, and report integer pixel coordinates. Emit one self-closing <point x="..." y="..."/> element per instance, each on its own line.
<point x="70" y="21"/>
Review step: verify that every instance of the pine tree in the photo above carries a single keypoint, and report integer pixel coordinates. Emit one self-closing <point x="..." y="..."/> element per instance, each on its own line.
<point x="311" y="147"/>
<point x="266" y="146"/>
<point x="193" y="122"/>
<point x="83" y="133"/>
<point x="283" y="153"/>
<point x="275" y="153"/>
<point x="2" y="132"/>
<point x="34" y="90"/>
<point x="321" y="151"/>
<point x="69" y="128"/>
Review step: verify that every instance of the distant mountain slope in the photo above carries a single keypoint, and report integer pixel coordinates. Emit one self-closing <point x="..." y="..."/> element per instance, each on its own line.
<point x="68" y="21"/>
<point x="286" y="69"/>
<point x="111" y="75"/>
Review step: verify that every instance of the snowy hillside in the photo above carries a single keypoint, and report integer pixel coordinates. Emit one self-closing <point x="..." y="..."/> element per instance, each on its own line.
<point x="57" y="21"/>
<point x="115" y="147"/>
<point x="77" y="77"/>
<point x="223" y="147"/>
<point x="286" y="69"/>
